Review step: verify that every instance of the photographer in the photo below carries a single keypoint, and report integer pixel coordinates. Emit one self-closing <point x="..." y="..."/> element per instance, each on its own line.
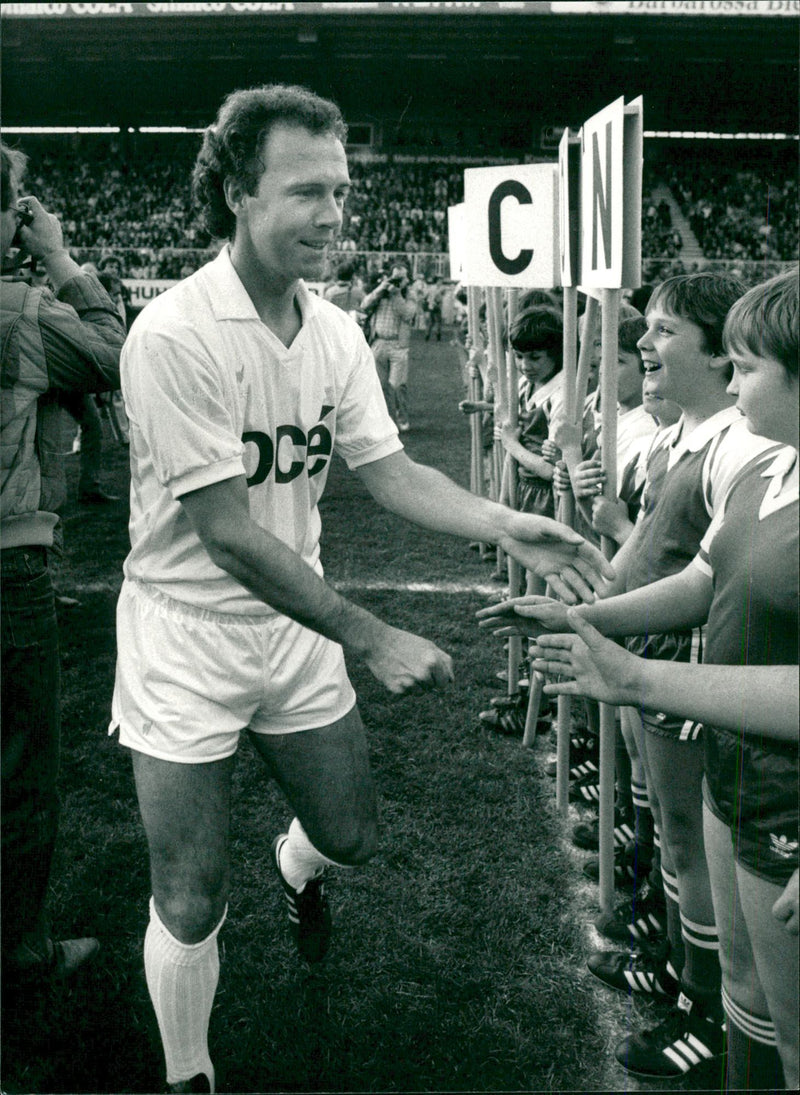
<point x="67" y="342"/>
<point x="394" y="305"/>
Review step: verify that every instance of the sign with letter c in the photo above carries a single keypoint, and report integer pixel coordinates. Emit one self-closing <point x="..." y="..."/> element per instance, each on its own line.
<point x="511" y="225"/>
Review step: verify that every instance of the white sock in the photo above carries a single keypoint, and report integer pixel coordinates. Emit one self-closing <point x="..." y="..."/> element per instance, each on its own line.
<point x="182" y="979"/>
<point x="299" y="859"/>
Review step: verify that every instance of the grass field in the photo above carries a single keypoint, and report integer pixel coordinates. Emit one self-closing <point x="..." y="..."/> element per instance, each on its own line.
<point x="458" y="962"/>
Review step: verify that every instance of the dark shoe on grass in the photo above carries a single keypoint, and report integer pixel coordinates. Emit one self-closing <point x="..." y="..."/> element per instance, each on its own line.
<point x="646" y="971"/>
<point x="586" y="834"/>
<point x="631" y="864"/>
<point x="197" y="1083"/>
<point x="308" y="910"/>
<point x="644" y="918"/>
<point x="60" y="959"/>
<point x="690" y="1036"/>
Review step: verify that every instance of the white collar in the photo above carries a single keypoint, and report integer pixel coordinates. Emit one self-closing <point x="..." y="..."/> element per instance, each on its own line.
<point x="230" y="299"/>
<point x="777" y="471"/>
<point x="703" y="432"/>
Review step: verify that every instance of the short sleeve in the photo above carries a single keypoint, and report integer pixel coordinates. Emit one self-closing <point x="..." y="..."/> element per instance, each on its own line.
<point x="365" y="431"/>
<point x="182" y="409"/>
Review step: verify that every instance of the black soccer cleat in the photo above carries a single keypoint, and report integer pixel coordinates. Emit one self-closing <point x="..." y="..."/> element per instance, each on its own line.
<point x="308" y="910"/>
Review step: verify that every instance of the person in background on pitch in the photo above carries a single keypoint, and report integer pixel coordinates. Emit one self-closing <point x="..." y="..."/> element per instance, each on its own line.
<point x="345" y="292"/>
<point x="746" y="693"/>
<point x="67" y="342"/>
<point x="393" y="305"/>
<point x="240" y="385"/>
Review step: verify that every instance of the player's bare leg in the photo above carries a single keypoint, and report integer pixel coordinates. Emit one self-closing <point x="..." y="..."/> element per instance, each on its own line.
<point x="326" y="777"/>
<point x="185" y="810"/>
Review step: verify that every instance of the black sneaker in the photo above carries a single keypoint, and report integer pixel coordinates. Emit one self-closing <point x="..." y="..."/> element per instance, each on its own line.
<point x="643" y="919"/>
<point x="632" y="863"/>
<point x="585" y="790"/>
<point x="586" y="834"/>
<point x="515" y="700"/>
<point x="509" y="721"/>
<point x="689" y="1037"/>
<point x="198" y="1083"/>
<point x="309" y="912"/>
<point x="647" y="971"/>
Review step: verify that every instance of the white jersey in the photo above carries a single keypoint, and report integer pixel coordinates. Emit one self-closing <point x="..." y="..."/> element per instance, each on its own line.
<point x="211" y="394"/>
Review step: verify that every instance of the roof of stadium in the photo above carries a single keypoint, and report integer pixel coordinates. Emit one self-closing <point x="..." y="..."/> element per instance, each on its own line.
<point x="699" y="65"/>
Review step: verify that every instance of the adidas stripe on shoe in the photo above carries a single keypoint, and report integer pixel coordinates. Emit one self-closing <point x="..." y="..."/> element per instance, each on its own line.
<point x="647" y="971"/>
<point x="586" y="834"/>
<point x="642" y="919"/>
<point x="686" y="1039"/>
<point x="308" y="911"/>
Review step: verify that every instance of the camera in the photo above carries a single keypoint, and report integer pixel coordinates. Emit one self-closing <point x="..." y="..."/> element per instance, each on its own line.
<point x="24" y="218"/>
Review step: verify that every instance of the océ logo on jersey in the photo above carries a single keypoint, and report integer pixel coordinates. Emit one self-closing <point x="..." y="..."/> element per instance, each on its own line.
<point x="290" y="442"/>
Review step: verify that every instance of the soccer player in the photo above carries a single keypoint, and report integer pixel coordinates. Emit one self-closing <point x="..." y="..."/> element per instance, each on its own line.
<point x="745" y="580"/>
<point x="239" y="386"/>
<point x="689" y="473"/>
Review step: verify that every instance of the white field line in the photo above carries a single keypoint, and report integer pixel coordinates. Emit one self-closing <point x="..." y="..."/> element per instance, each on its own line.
<point x="351" y="585"/>
<point x="377" y="586"/>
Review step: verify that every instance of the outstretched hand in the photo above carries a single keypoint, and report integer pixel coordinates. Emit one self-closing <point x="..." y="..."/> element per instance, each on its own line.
<point x="573" y="568"/>
<point x="588" y="664"/>
<point x="529" y="616"/>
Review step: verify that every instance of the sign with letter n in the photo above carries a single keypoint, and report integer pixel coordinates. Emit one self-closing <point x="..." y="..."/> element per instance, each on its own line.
<point x="611" y="197"/>
<point x="511" y="226"/>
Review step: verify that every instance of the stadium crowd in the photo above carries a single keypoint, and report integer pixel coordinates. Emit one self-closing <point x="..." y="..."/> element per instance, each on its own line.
<point x="707" y="432"/>
<point x="136" y="200"/>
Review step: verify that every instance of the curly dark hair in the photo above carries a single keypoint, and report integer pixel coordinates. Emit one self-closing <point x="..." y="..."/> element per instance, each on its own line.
<point x="232" y="144"/>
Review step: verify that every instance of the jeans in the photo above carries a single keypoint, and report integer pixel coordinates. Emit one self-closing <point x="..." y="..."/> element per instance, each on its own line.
<point x="31" y="729"/>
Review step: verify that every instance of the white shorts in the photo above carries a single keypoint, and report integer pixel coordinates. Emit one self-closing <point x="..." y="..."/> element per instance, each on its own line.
<point x="190" y="680"/>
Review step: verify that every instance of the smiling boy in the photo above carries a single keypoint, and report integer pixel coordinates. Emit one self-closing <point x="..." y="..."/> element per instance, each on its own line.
<point x="690" y="468"/>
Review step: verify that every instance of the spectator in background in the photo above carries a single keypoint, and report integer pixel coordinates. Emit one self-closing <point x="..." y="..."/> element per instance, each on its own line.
<point x="434" y="296"/>
<point x="69" y="342"/>
<point x="344" y="292"/>
<point x="394" y="306"/>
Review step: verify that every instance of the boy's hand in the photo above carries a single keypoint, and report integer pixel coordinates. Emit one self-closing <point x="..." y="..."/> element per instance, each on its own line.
<point x="561" y="480"/>
<point x="588" y="664"/>
<point x="608" y="517"/>
<point x="589" y="479"/>
<point x="530" y="616"/>
<point x="785" y="908"/>
<point x="550" y="451"/>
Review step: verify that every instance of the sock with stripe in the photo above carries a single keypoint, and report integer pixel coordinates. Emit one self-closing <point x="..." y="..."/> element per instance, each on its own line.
<point x="299" y="859"/>
<point x="643" y="818"/>
<point x="182" y="980"/>
<point x="754" y="1063"/>
<point x="674" y="933"/>
<point x="701" y="970"/>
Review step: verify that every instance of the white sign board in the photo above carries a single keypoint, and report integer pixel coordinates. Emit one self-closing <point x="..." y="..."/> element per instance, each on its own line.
<point x="569" y="199"/>
<point x="456" y="241"/>
<point x="601" y="198"/>
<point x="511" y="223"/>
<point x="611" y="197"/>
